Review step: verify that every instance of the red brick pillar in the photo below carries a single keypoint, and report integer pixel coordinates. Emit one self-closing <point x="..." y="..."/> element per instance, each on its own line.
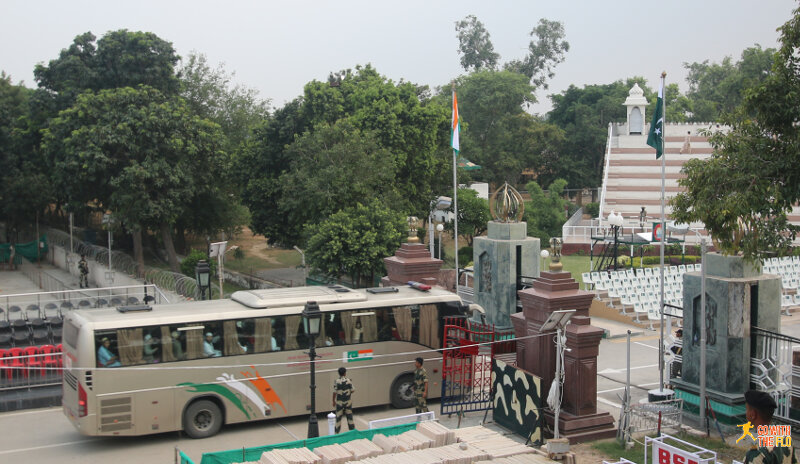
<point x="553" y="291"/>
<point x="411" y="262"/>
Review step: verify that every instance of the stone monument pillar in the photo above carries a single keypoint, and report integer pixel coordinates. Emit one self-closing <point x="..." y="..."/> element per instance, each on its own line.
<point x="738" y="297"/>
<point x="500" y="258"/>
<point x="579" y="419"/>
<point x="411" y="262"/>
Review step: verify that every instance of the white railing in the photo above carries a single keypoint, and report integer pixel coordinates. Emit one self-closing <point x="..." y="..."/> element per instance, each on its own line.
<point x="606" y="165"/>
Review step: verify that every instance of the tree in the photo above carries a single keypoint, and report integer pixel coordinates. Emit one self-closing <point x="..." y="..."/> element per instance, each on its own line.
<point x="718" y="88"/>
<point x="24" y="185"/>
<point x="120" y="59"/>
<point x="743" y="192"/>
<point x="137" y="153"/>
<point x="475" y="46"/>
<point x="544" y="53"/>
<point x="354" y="241"/>
<point x="399" y="118"/>
<point x="584" y="114"/>
<point x="473" y="215"/>
<point x="211" y="94"/>
<point x="545" y="212"/>
<point x="332" y="168"/>
<point x="491" y="106"/>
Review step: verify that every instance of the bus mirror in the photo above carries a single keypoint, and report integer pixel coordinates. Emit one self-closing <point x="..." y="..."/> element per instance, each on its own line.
<point x="476" y="309"/>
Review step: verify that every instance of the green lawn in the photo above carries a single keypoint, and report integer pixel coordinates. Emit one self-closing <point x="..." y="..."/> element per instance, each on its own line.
<point x="251" y="263"/>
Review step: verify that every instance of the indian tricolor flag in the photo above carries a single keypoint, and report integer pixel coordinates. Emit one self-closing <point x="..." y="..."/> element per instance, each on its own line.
<point x="456" y="128"/>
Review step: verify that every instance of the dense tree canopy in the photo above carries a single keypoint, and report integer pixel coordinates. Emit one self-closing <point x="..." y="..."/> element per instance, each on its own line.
<point x="355" y="240"/>
<point x="362" y="118"/>
<point x="119" y="59"/>
<point x="545" y="213"/>
<point x="136" y="153"/>
<point x="719" y="88"/>
<point x="584" y="114"/>
<point x="744" y="191"/>
<point x="25" y="188"/>
<point x="473" y="215"/>
<point x="211" y="94"/>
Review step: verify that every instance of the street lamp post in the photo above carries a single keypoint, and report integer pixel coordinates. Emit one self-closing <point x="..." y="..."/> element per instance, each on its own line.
<point x="615" y="220"/>
<point x="202" y="273"/>
<point x="312" y="317"/>
<point x="440" y="228"/>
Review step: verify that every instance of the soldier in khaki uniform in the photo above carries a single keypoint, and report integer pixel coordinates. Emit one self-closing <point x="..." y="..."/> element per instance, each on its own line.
<point x="759" y="409"/>
<point x="342" y="400"/>
<point x="420" y="387"/>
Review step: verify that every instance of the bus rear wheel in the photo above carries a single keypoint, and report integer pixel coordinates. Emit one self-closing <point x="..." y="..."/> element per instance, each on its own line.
<point x="202" y="419"/>
<point x="402" y="393"/>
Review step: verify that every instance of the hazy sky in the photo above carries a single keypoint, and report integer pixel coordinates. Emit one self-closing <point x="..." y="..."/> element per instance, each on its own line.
<point x="277" y="47"/>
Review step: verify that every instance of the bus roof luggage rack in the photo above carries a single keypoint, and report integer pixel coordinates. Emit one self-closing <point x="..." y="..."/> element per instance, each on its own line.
<point x="383" y="290"/>
<point x="134" y="308"/>
<point x="294" y="296"/>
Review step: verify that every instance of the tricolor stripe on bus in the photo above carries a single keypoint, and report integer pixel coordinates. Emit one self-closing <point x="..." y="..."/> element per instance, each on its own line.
<point x="360" y="355"/>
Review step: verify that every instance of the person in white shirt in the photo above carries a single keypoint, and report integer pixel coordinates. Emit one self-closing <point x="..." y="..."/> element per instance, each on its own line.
<point x="208" y="347"/>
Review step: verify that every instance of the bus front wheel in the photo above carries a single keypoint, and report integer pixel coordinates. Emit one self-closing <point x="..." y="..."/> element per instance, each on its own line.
<point x="202" y="419"/>
<point x="402" y="393"/>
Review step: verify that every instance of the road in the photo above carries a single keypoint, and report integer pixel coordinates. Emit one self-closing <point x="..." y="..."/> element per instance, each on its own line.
<point x="45" y="436"/>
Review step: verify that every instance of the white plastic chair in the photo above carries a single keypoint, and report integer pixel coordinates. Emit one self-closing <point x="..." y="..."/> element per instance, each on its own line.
<point x="587" y="280"/>
<point x="653" y="314"/>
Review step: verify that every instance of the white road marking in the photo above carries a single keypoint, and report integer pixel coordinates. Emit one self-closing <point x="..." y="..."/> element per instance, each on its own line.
<point x="26" y="413"/>
<point x="647" y="346"/>
<point x="610" y="403"/>
<point x="623" y="388"/>
<point x="621" y="370"/>
<point x="287" y="431"/>
<point x="55" y="445"/>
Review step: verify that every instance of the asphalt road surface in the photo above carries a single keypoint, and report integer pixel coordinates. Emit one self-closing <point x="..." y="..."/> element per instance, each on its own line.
<point x="45" y="435"/>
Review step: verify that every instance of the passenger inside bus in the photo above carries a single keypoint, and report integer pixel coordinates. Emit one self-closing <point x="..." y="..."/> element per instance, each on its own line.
<point x="208" y="347"/>
<point x="177" y="347"/>
<point x="105" y="358"/>
<point x="151" y="348"/>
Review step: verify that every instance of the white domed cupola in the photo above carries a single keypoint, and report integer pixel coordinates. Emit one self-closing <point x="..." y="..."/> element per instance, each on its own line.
<point x="636" y="104"/>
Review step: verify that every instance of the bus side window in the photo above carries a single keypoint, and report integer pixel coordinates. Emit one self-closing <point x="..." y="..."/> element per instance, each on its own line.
<point x="403" y="322"/>
<point x="107" y="354"/>
<point x="387" y="330"/>
<point x="151" y="345"/>
<point x="279" y="333"/>
<point x="231" y="342"/>
<point x="293" y="333"/>
<point x="429" y="334"/>
<point x="263" y="335"/>
<point x="334" y="334"/>
<point x="130" y="343"/>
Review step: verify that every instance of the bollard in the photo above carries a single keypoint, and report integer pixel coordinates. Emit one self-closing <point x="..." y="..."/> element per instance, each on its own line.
<point x="331" y="423"/>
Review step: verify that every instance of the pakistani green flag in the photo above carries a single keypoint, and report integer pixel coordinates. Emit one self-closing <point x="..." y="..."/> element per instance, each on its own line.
<point x="656" y="136"/>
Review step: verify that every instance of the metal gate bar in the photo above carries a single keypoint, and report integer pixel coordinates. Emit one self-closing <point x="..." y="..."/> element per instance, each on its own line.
<point x="467" y="366"/>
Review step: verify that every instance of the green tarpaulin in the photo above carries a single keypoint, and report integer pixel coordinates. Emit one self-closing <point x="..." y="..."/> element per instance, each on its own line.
<point x="254" y="454"/>
<point x="26" y="250"/>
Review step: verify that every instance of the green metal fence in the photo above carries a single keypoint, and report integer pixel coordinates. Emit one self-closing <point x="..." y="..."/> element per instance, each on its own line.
<point x="254" y="454"/>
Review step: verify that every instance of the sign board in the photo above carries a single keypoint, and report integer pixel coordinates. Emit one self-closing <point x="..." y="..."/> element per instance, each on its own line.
<point x="658" y="231"/>
<point x="664" y="453"/>
<point x="217" y="249"/>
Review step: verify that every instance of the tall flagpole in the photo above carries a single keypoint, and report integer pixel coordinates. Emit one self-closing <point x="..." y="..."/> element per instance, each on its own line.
<point x="456" y="147"/>
<point x="663" y="231"/>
